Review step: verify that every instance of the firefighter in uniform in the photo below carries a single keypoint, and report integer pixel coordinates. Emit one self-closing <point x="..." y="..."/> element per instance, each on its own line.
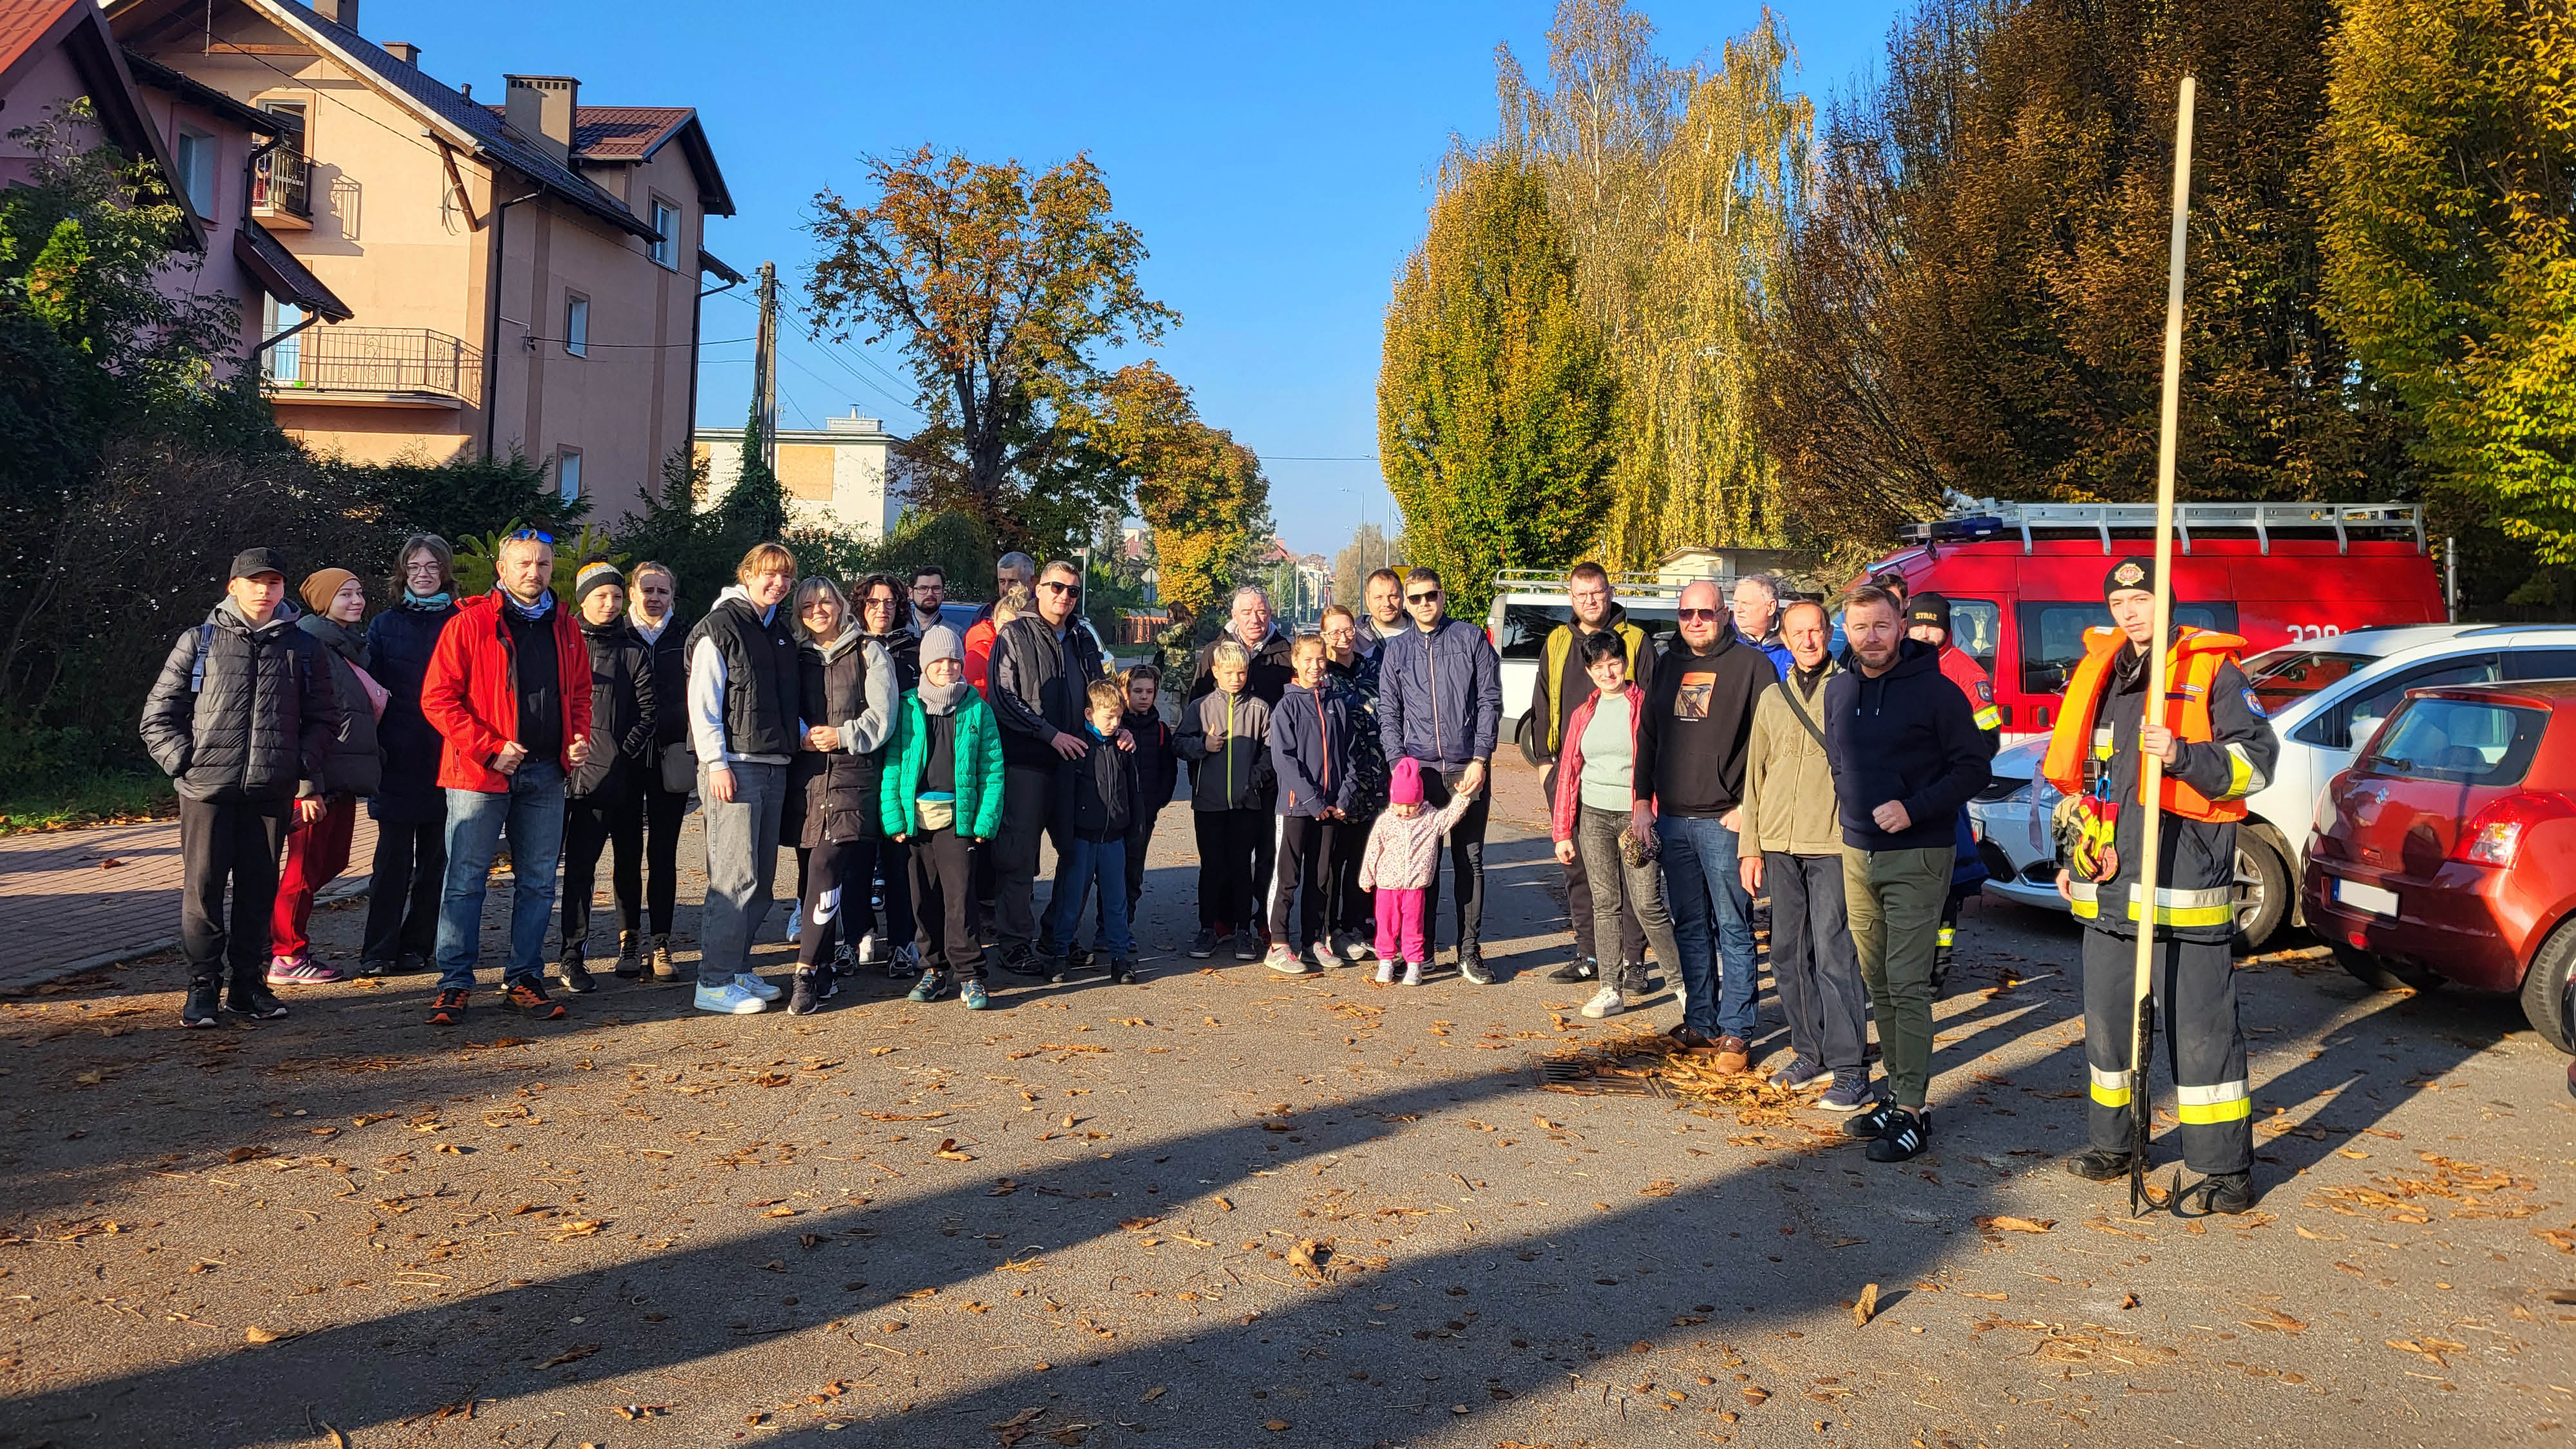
<point x="2217" y="749"/>
<point x="1927" y="619"/>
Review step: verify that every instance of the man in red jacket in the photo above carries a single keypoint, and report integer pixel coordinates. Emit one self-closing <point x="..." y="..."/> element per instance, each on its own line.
<point x="508" y="689"/>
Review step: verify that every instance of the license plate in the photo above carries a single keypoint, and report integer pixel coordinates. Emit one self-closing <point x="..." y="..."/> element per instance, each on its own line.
<point x="2366" y="897"/>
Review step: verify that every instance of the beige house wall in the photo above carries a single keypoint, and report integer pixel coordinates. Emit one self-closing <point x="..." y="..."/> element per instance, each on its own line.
<point x="835" y="476"/>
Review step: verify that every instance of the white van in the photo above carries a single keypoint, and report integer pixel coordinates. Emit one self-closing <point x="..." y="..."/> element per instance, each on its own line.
<point x="1529" y="604"/>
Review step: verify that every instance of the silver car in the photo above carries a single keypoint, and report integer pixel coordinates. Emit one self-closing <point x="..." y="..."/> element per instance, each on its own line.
<point x="2324" y="696"/>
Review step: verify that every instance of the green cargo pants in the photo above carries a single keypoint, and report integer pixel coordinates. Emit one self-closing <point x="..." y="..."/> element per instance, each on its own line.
<point x="1895" y="901"/>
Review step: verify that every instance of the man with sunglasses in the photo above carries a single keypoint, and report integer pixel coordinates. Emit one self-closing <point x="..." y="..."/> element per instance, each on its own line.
<point x="1043" y="666"/>
<point x="1692" y="740"/>
<point x="1440" y="701"/>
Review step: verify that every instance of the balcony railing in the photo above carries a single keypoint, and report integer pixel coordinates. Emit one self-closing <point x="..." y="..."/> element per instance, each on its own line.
<point x="399" y="360"/>
<point x="283" y="185"/>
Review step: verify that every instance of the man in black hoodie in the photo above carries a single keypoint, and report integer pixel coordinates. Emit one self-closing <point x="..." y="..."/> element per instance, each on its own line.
<point x="1906" y="755"/>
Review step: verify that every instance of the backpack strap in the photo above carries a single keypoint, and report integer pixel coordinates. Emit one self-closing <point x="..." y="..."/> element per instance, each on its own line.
<point x="197" y="670"/>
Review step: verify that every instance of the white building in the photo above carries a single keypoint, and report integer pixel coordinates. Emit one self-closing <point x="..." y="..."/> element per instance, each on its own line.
<point x="835" y="478"/>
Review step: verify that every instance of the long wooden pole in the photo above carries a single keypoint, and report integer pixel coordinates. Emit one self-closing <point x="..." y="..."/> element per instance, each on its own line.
<point x="2151" y="768"/>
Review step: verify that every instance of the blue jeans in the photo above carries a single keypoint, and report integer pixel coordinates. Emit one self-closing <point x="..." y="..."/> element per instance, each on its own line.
<point x="1700" y="881"/>
<point x="532" y="812"/>
<point x="1091" y="865"/>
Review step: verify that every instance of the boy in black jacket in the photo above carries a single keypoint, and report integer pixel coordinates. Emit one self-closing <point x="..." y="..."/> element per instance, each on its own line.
<point x="1907" y="756"/>
<point x="1095" y="805"/>
<point x="1158" y="769"/>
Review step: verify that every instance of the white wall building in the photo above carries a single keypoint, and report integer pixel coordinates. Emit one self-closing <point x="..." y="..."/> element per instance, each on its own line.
<point x="835" y="477"/>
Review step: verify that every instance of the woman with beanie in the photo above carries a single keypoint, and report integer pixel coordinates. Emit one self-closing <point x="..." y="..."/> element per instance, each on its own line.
<point x="410" y="809"/>
<point x="326" y="812"/>
<point x="847" y="686"/>
<point x="942" y="797"/>
<point x="604" y="795"/>
<point x="653" y="592"/>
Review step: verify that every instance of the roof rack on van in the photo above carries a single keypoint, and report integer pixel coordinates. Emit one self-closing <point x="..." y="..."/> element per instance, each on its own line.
<point x="1986" y="518"/>
<point x="1646" y="586"/>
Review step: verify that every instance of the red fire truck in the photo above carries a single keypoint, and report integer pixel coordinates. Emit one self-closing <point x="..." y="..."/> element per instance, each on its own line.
<point x="2024" y="580"/>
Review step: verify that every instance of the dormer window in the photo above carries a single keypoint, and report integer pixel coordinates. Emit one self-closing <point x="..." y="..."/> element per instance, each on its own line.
<point x="666" y="221"/>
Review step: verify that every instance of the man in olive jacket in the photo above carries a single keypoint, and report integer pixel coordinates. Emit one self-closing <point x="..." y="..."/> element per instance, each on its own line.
<point x="243" y="715"/>
<point x="1791" y="813"/>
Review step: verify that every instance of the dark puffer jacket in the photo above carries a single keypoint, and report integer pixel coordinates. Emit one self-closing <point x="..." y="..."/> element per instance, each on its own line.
<point x="399" y="643"/>
<point x="625" y="710"/>
<point x="259" y="721"/>
<point x="355" y="766"/>
<point x="837" y="795"/>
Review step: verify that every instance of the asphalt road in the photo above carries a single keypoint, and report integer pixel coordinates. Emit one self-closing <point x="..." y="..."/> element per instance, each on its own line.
<point x="1078" y="1220"/>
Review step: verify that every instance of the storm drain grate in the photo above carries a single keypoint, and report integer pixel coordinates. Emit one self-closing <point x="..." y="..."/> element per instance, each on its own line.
<point x="1591" y="1080"/>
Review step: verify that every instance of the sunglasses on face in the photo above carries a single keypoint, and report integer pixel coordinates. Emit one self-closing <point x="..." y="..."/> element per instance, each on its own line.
<point x="1432" y="597"/>
<point x="1690" y="616"/>
<point x="1058" y="586"/>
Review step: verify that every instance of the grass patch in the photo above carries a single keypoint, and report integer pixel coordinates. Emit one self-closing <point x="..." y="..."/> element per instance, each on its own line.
<point x="92" y="797"/>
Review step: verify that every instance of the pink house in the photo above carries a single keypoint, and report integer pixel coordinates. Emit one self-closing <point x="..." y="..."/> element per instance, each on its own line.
<point x="203" y="145"/>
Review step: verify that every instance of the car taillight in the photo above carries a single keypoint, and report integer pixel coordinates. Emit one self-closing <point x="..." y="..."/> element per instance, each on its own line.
<point x="2495" y="834"/>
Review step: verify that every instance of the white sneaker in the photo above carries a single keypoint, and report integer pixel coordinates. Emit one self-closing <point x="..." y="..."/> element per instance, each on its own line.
<point x="750" y="981"/>
<point x="1412" y="973"/>
<point x="1286" y="962"/>
<point x="729" y="999"/>
<point x="1386" y="973"/>
<point x="1608" y="1001"/>
<point x="869" y="945"/>
<point x="1324" y="956"/>
<point x="795" y="922"/>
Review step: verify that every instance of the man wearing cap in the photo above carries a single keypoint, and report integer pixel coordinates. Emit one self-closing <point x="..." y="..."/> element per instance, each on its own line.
<point x="243" y="716"/>
<point x="1927" y="621"/>
<point x="2217" y="748"/>
<point x="508" y="691"/>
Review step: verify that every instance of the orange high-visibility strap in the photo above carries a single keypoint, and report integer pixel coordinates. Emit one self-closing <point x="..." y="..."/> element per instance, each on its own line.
<point x="2192" y="668"/>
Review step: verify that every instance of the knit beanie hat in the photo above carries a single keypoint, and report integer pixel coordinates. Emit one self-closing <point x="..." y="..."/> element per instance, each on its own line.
<point x="322" y="586"/>
<point x="942" y="643"/>
<point x="1404" y="787"/>
<point x="600" y="575"/>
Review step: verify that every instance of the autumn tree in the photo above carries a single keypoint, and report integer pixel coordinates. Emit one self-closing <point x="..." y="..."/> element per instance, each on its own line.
<point x="1201" y="492"/>
<point x="1368" y="551"/>
<point x="1497" y="403"/>
<point x="1002" y="289"/>
<point x="2449" y="178"/>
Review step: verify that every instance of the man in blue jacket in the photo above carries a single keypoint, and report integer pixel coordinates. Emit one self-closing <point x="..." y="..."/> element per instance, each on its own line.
<point x="1906" y="755"/>
<point x="1441" y="701"/>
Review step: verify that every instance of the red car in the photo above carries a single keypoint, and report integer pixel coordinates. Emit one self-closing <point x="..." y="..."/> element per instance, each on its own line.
<point x="2448" y="850"/>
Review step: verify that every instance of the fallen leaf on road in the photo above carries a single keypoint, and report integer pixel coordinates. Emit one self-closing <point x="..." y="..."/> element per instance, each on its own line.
<point x="2278" y="1322"/>
<point x="1274" y="1425"/>
<point x="1867" y="1307"/>
<point x="245" y="1154"/>
<point x="1989" y="1297"/>
<point x="1224" y="1206"/>
<point x="1308" y="1258"/>
<point x="1756" y="1394"/>
<point x="1016" y="1420"/>
<point x="2004" y="1224"/>
<point x="1660" y="1187"/>
<point x="266" y="1335"/>
<point x="948" y="1150"/>
<point x="338" y="1439"/>
<point x="576" y="1352"/>
<point x="1156" y="1392"/>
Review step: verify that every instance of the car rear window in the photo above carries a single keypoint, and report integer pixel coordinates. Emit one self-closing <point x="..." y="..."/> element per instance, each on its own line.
<point x="2472" y="742"/>
<point x="2287" y="674"/>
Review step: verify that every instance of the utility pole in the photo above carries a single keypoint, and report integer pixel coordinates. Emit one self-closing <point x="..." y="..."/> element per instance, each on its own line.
<point x="765" y="366"/>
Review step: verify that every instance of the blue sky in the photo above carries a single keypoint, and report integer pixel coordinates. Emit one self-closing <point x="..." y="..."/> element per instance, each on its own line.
<point x="1276" y="158"/>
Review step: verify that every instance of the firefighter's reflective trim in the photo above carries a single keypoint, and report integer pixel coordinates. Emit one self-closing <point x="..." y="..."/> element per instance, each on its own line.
<point x="2213" y="907"/>
<point x="2226" y="1102"/>
<point x="2110" y="1089"/>
<point x="1990" y="718"/>
<point x="2243" y="778"/>
<point x="2084" y="898"/>
<point x="1949" y="937"/>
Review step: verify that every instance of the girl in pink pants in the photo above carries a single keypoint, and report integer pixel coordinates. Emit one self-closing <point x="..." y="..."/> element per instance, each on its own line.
<point x="1400" y="862"/>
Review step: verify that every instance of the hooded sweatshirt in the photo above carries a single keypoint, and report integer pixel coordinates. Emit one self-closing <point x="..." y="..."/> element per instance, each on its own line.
<point x="1697" y="724"/>
<point x="1906" y="736"/>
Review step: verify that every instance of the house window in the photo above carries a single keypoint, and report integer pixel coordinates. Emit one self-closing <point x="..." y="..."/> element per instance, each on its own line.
<point x="568" y="474"/>
<point x="576" y="338"/>
<point x="196" y="160"/>
<point x="666" y="220"/>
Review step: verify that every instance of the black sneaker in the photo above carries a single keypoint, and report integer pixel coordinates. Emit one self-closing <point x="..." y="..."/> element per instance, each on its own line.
<point x="2220" y="1192"/>
<point x="1471" y="965"/>
<point x="529" y="999"/>
<point x="376" y="966"/>
<point x="904" y="964"/>
<point x="1247" y="945"/>
<point x="203" y="998"/>
<point x="1581" y="968"/>
<point x="1872" y="1123"/>
<point x="1019" y="961"/>
<point x="1906" y="1138"/>
<point x="2095" y="1165"/>
<point x="1079" y="956"/>
<point x="1203" y="945"/>
<point x="1121" y="970"/>
<point x="933" y="986"/>
<point x="806" y="996"/>
<point x="254" y="1000"/>
<point x="1061" y="969"/>
<point x="575" y="975"/>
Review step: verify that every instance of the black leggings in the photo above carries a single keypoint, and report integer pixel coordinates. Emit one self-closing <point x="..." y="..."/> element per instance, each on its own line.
<point x="403" y="890"/>
<point x="663" y="814"/>
<point x="613" y="817"/>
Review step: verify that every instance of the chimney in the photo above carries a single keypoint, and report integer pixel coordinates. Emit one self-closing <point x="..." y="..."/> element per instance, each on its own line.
<point x="541" y="108"/>
<point x="404" y="51"/>
<point x="343" y="11"/>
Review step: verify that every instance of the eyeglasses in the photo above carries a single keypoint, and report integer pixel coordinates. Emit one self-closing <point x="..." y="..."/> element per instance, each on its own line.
<point x="1432" y="597"/>
<point x="1059" y="586"/>
<point x="1694" y="615"/>
<point x="537" y="534"/>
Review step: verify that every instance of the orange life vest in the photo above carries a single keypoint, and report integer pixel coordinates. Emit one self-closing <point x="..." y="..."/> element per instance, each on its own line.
<point x="2191" y="671"/>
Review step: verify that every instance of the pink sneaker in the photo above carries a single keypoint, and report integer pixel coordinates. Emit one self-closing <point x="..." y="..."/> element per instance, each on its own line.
<point x="302" y="970"/>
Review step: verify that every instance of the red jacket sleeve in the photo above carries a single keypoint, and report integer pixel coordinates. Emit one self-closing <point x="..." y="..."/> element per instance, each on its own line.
<point x="445" y="693"/>
<point x="572" y="666"/>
